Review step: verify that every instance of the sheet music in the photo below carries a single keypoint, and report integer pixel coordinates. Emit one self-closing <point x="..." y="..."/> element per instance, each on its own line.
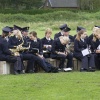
<point x="47" y="46"/>
<point x="86" y="52"/>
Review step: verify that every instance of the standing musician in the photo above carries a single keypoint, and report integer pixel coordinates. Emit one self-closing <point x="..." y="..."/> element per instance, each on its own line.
<point x="6" y="54"/>
<point x="58" y="52"/>
<point x="36" y="50"/>
<point x="47" y="43"/>
<point x="80" y="44"/>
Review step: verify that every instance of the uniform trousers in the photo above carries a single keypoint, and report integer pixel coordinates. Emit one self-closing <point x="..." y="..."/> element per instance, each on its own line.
<point x="62" y="59"/>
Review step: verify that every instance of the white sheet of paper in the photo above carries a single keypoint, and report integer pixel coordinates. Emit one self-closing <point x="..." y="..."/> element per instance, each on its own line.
<point x="98" y="47"/>
<point x="47" y="46"/>
<point x="85" y="52"/>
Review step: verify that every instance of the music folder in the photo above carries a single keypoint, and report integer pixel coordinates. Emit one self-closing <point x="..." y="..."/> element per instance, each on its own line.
<point x="86" y="52"/>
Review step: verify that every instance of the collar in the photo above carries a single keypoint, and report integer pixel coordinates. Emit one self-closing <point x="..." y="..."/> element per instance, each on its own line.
<point x="48" y="39"/>
<point x="82" y="39"/>
<point x="35" y="40"/>
<point x="6" y="38"/>
<point x="62" y="33"/>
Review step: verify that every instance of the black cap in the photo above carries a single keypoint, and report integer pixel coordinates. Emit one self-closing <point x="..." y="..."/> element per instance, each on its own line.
<point x="11" y="28"/>
<point x="65" y="28"/>
<point x="25" y="29"/>
<point x="6" y="29"/>
<point x="97" y="26"/>
<point x="17" y="28"/>
<point x="80" y="28"/>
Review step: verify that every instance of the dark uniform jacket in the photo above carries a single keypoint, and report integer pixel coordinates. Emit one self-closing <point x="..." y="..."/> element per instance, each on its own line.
<point x="78" y="47"/>
<point x="57" y="47"/>
<point x="26" y="41"/>
<point x="13" y="41"/>
<point x="90" y="38"/>
<point x="46" y="42"/>
<point x="95" y="44"/>
<point x="4" y="51"/>
<point x="36" y="44"/>
<point x="59" y="34"/>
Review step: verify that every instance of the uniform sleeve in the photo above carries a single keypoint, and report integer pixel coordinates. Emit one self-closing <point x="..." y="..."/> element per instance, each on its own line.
<point x="71" y="38"/>
<point x="40" y="48"/>
<point x="76" y="46"/>
<point x="42" y="40"/>
<point x="53" y="47"/>
<point x="5" y="48"/>
<point x="94" y="46"/>
<point x="10" y="45"/>
<point x="56" y="36"/>
<point x="26" y="44"/>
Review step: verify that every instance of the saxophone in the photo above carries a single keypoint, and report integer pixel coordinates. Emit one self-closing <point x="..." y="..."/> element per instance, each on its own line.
<point x="16" y="50"/>
<point x="19" y="48"/>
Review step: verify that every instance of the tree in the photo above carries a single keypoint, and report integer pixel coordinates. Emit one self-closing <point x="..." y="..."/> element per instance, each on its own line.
<point x="20" y="4"/>
<point x="89" y="4"/>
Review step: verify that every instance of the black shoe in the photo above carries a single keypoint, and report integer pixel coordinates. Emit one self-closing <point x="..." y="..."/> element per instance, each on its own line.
<point x="21" y="72"/>
<point x="31" y="71"/>
<point x="83" y="70"/>
<point x="16" y="73"/>
<point x="54" y="70"/>
<point x="91" y="69"/>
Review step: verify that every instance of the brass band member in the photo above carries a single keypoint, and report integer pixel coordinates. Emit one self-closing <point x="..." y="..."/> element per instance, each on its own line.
<point x="6" y="54"/>
<point x="58" y="52"/>
<point x="17" y="41"/>
<point x="80" y="44"/>
<point x="36" y="50"/>
<point x="47" y="43"/>
<point x="96" y="47"/>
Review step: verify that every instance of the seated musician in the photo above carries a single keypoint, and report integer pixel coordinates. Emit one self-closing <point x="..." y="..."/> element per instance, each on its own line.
<point x="36" y="50"/>
<point x="25" y="34"/>
<point x="82" y="52"/>
<point x="47" y="43"/>
<point x="65" y="31"/>
<point x="17" y="41"/>
<point x="58" y="51"/>
<point x="96" y="47"/>
<point x="7" y="55"/>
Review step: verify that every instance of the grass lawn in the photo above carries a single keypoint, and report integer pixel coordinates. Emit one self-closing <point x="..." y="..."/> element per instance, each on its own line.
<point x="49" y="86"/>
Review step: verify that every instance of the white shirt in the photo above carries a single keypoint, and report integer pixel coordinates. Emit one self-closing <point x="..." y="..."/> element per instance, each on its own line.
<point x="82" y="39"/>
<point x="48" y="38"/>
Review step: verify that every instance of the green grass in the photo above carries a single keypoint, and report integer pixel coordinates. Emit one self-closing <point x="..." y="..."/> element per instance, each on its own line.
<point x="47" y="86"/>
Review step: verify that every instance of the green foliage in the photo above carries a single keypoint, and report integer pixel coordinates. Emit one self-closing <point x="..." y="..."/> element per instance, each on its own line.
<point x="20" y="4"/>
<point x="51" y="16"/>
<point x="52" y="19"/>
<point x="89" y="4"/>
